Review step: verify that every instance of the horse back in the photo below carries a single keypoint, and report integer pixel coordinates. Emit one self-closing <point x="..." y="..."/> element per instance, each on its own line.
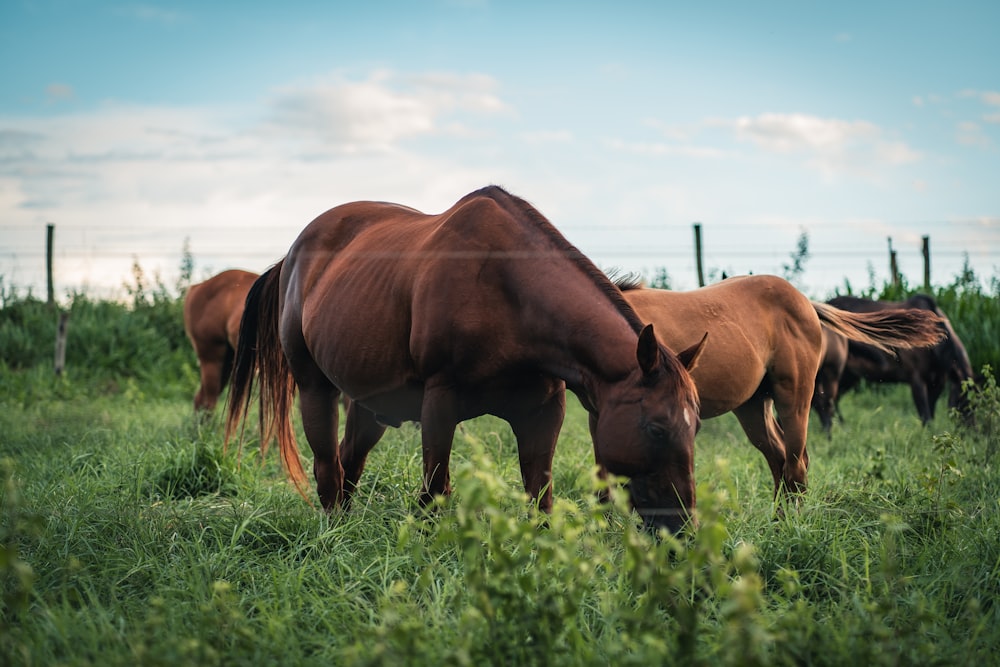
<point x="757" y="326"/>
<point x="380" y="296"/>
<point x="771" y="304"/>
<point x="213" y="308"/>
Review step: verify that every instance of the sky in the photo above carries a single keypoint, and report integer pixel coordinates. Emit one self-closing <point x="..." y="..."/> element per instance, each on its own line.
<point x="144" y="129"/>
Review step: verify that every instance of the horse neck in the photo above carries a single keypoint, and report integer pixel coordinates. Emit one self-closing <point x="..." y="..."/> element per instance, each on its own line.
<point x="584" y="338"/>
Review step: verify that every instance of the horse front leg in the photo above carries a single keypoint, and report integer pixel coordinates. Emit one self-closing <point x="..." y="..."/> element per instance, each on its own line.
<point x="536" y="432"/>
<point x="603" y="495"/>
<point x="438" y="419"/>
<point x="918" y="389"/>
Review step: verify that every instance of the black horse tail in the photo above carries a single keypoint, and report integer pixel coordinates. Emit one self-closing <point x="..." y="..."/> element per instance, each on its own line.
<point x="884" y="329"/>
<point x="259" y="353"/>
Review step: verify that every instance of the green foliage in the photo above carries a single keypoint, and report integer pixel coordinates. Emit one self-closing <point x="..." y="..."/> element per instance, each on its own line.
<point x="130" y="537"/>
<point x="16" y="524"/>
<point x="793" y="270"/>
<point x="136" y="346"/>
<point x="984" y="405"/>
<point x="974" y="313"/>
<point x="159" y="549"/>
<point x="660" y="279"/>
<point x="195" y="469"/>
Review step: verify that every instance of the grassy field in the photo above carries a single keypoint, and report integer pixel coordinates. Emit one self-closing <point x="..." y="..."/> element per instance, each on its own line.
<point x="130" y="538"/>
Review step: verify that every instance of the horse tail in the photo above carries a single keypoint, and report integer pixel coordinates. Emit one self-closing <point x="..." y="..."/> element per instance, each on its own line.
<point x="884" y="329"/>
<point x="259" y="353"/>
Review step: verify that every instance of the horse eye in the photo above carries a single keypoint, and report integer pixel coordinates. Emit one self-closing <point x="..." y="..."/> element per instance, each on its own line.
<point x="656" y="431"/>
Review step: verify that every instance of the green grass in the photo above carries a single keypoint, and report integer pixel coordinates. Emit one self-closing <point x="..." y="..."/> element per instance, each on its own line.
<point x="147" y="544"/>
<point x="128" y="536"/>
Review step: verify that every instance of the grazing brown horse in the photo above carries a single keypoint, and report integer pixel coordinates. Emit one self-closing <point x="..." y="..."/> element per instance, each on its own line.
<point x="764" y="347"/>
<point x="926" y="370"/>
<point x="482" y="309"/>
<point x="212" y="312"/>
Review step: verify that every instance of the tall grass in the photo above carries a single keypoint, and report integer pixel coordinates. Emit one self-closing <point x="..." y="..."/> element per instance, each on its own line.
<point x="129" y="537"/>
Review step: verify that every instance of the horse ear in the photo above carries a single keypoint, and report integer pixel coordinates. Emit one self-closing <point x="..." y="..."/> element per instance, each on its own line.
<point x="689" y="357"/>
<point x="648" y="350"/>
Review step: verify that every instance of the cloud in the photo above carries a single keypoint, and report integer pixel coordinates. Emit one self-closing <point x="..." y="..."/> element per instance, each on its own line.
<point x="57" y="92"/>
<point x="377" y="113"/>
<point x="663" y="148"/>
<point x="830" y="145"/>
<point x="969" y="133"/>
<point x="547" y="137"/>
<point x="992" y="99"/>
<point x="111" y="176"/>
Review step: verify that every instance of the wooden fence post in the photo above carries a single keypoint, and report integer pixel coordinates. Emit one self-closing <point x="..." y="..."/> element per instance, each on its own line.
<point x="697" y="254"/>
<point x="926" y="250"/>
<point x="61" y="328"/>
<point x="49" y="239"/>
<point x="893" y="265"/>
<point x="61" y="343"/>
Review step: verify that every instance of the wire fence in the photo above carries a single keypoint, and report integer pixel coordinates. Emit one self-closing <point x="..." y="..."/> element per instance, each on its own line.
<point x="101" y="260"/>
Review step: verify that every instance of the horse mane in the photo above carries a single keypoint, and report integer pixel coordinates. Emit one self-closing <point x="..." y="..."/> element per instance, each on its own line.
<point x="627" y="282"/>
<point x="522" y="210"/>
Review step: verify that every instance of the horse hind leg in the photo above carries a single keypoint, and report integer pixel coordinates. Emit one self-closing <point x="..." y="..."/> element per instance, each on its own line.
<point x="761" y="428"/>
<point x="361" y="433"/>
<point x="438" y="420"/>
<point x="320" y="421"/>
<point x="212" y="368"/>
<point x="792" y="394"/>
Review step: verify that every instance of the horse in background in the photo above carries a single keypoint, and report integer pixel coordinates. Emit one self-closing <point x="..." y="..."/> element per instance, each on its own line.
<point x="926" y="370"/>
<point x="212" y="313"/>
<point x="764" y="348"/>
<point x="825" y="395"/>
<point x="483" y="309"/>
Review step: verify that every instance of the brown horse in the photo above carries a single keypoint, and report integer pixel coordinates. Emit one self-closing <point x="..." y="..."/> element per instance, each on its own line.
<point x="482" y="309"/>
<point x="764" y="347"/>
<point x="926" y="370"/>
<point x="212" y="312"/>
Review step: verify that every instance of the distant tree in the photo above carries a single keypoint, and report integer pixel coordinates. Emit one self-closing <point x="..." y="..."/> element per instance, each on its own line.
<point x="187" y="268"/>
<point x="660" y="279"/>
<point x="796" y="267"/>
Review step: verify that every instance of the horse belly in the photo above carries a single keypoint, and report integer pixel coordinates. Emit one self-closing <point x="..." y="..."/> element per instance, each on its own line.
<point x="364" y="355"/>
<point x="394" y="407"/>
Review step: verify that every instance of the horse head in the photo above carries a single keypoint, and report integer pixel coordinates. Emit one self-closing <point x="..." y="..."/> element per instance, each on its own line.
<point x="644" y="428"/>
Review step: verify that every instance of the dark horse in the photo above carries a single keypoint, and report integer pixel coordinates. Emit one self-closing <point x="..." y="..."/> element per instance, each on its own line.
<point x="482" y="309"/>
<point x="926" y="370"/>
<point x="212" y="313"/>
<point x="825" y="396"/>
<point x="764" y="347"/>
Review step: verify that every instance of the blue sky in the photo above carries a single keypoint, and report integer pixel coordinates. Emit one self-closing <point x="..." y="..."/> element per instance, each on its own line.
<point x="134" y="127"/>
